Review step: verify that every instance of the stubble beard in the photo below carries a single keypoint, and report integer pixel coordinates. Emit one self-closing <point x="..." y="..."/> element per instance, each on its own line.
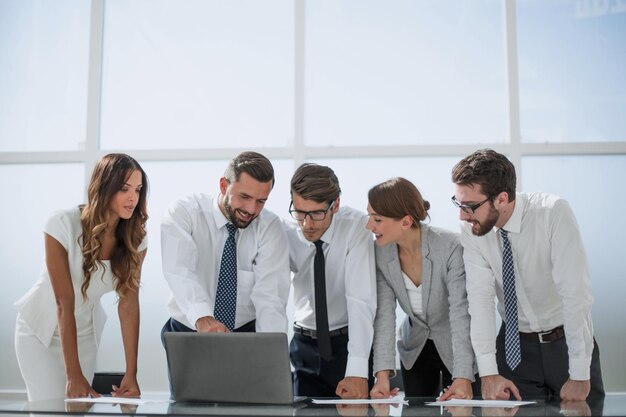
<point x="232" y="216"/>
<point x="484" y="227"/>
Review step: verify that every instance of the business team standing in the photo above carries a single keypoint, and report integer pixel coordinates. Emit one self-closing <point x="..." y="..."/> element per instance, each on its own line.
<point x="227" y="262"/>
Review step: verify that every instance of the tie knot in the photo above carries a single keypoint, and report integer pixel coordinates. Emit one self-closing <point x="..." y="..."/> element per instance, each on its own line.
<point x="318" y="244"/>
<point x="503" y="233"/>
<point x="231" y="229"/>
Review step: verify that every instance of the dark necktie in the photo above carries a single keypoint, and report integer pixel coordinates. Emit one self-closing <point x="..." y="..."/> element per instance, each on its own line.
<point x="511" y="333"/>
<point x="321" y="311"/>
<point x="226" y="295"/>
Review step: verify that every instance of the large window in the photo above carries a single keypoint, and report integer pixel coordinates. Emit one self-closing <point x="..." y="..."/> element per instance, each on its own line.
<point x="407" y="73"/>
<point x="372" y="88"/>
<point x="572" y="68"/>
<point x="197" y="74"/>
<point x="43" y="74"/>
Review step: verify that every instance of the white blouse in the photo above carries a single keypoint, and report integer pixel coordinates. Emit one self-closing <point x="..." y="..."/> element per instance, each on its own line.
<point x="415" y="296"/>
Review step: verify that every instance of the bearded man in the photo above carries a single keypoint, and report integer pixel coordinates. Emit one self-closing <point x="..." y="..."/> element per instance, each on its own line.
<point x="526" y="250"/>
<point x="225" y="258"/>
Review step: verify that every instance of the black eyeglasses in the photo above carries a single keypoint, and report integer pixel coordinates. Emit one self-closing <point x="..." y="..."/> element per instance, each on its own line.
<point x="469" y="208"/>
<point x="315" y="215"/>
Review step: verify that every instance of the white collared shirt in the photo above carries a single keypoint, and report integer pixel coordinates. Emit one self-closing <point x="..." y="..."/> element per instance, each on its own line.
<point x="193" y="233"/>
<point x="551" y="279"/>
<point x="350" y="282"/>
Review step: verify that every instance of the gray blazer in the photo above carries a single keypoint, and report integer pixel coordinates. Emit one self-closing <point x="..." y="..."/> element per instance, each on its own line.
<point x="444" y="300"/>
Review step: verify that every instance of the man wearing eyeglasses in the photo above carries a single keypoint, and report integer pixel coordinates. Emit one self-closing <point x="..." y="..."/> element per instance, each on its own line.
<point x="526" y="250"/>
<point x="332" y="257"/>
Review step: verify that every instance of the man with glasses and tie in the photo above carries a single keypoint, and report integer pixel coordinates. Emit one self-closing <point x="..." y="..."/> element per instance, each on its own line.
<point x="331" y="255"/>
<point x="225" y="257"/>
<point x="526" y="250"/>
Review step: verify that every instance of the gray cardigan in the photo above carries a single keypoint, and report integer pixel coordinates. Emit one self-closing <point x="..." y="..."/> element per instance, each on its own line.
<point x="444" y="300"/>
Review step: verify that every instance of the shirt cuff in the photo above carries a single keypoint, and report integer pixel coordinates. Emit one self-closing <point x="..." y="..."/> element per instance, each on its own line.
<point x="579" y="369"/>
<point x="487" y="365"/>
<point x="196" y="311"/>
<point x="357" y="366"/>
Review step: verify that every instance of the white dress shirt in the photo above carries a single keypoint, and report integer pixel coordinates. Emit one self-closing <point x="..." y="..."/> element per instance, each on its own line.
<point x="350" y="282"/>
<point x="193" y="233"/>
<point x="551" y="279"/>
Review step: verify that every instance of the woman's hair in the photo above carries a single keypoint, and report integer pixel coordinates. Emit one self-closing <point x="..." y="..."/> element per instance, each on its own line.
<point x="398" y="197"/>
<point x="109" y="176"/>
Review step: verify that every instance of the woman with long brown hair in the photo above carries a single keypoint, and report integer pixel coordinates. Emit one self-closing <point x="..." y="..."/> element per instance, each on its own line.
<point x="90" y="250"/>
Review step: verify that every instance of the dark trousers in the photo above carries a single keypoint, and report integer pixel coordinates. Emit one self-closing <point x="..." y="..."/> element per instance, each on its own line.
<point x="544" y="367"/>
<point x="313" y="376"/>
<point x="172" y="325"/>
<point x="429" y="375"/>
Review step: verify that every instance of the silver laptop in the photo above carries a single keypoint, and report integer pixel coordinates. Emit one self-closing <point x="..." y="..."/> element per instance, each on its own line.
<point x="229" y="367"/>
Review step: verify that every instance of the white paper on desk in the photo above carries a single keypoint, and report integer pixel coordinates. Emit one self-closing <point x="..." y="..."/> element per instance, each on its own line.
<point x="117" y="400"/>
<point x="454" y="402"/>
<point x="394" y="400"/>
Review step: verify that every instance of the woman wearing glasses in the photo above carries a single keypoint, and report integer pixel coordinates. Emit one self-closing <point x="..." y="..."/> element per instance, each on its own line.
<point x="421" y="268"/>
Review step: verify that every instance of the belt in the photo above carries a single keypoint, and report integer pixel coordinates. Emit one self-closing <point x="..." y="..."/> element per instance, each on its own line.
<point x="544" y="337"/>
<point x="313" y="334"/>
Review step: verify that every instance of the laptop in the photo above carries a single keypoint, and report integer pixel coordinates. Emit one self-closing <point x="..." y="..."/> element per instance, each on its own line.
<point x="229" y="367"/>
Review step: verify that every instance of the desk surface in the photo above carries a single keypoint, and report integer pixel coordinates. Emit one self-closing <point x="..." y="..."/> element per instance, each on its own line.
<point x="611" y="405"/>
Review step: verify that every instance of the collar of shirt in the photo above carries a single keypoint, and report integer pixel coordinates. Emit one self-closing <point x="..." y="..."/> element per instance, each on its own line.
<point x="218" y="216"/>
<point x="514" y="225"/>
<point x="327" y="237"/>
